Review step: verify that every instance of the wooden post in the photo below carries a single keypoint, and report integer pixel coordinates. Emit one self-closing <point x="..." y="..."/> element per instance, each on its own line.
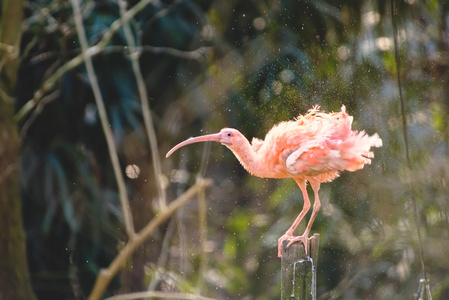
<point x="298" y="274"/>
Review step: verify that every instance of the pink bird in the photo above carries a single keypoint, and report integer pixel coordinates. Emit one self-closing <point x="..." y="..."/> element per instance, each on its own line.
<point x="314" y="148"/>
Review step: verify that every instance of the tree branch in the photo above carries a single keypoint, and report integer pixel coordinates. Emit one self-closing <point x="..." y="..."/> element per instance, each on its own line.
<point x="49" y="83"/>
<point x="160" y="295"/>
<point x="129" y="225"/>
<point x="106" y="275"/>
<point x="134" y="55"/>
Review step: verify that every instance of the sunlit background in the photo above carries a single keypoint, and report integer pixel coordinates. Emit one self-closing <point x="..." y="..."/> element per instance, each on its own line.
<point x="247" y="65"/>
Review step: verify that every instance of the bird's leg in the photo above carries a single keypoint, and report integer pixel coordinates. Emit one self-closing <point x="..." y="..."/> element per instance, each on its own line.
<point x="316" y="207"/>
<point x="289" y="233"/>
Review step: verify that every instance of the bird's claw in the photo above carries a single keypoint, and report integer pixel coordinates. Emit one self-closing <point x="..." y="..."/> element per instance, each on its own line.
<point x="293" y="239"/>
<point x="304" y="239"/>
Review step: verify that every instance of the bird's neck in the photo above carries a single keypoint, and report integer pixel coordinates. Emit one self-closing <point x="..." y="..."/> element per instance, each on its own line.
<point x="248" y="158"/>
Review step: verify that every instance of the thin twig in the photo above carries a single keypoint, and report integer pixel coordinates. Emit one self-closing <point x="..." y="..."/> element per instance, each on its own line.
<point x="134" y="55"/>
<point x="40" y="107"/>
<point x="163" y="257"/>
<point x="129" y="225"/>
<point x="407" y="151"/>
<point x="30" y="105"/>
<point x="160" y="295"/>
<point x="100" y="47"/>
<point x="161" y="13"/>
<point x="182" y="236"/>
<point x="202" y="217"/>
<point x="204" y="160"/>
<point x="94" y="50"/>
<point x="202" y="220"/>
<point x="106" y="275"/>
<point x="193" y="54"/>
<point x="48" y="84"/>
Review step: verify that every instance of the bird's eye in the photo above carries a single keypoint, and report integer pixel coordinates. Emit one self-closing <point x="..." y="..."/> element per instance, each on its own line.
<point x="228" y="134"/>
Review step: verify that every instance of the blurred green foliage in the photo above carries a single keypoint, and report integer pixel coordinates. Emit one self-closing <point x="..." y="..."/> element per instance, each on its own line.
<point x="263" y="62"/>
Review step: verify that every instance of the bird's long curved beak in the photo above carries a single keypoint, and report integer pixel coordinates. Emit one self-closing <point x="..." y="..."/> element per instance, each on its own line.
<point x="215" y="137"/>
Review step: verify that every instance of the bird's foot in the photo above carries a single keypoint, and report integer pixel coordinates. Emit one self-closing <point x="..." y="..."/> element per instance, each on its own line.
<point x="303" y="238"/>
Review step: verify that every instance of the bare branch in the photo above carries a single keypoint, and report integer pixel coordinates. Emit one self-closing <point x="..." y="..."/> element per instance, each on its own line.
<point x="129" y="225"/>
<point x="76" y="61"/>
<point x="40" y="107"/>
<point x="202" y="219"/>
<point x="106" y="275"/>
<point x="160" y="295"/>
<point x="102" y="45"/>
<point x="146" y="112"/>
<point x="194" y="54"/>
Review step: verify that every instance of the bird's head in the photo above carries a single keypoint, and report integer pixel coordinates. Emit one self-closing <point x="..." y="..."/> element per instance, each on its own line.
<point x="227" y="136"/>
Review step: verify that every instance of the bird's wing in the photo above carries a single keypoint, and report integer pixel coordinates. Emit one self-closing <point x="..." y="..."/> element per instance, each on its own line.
<point x="313" y="157"/>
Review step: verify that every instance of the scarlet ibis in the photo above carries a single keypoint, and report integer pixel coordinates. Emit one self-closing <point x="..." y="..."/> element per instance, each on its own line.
<point x="314" y="147"/>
